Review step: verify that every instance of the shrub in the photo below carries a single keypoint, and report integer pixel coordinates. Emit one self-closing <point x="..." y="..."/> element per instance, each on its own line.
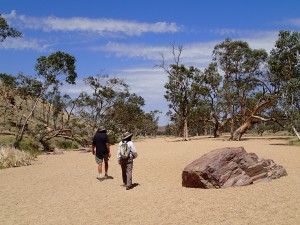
<point x="294" y="141"/>
<point x="65" y="144"/>
<point x="11" y="157"/>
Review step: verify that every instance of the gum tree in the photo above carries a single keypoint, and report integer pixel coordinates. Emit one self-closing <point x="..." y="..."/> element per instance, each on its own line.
<point x="242" y="69"/>
<point x="184" y="91"/>
<point x="52" y="71"/>
<point x="284" y="66"/>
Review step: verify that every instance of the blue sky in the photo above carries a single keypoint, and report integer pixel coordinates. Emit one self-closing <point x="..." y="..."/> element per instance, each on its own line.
<point x="125" y="39"/>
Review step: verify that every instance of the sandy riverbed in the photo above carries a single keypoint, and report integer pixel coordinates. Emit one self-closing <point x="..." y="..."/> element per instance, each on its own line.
<point x="63" y="189"/>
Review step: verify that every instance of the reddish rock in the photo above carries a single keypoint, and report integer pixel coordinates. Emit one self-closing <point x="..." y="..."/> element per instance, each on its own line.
<point x="228" y="167"/>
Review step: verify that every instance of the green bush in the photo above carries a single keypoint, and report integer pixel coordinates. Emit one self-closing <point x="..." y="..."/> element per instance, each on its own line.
<point x="27" y="144"/>
<point x="65" y="144"/>
<point x="295" y="141"/>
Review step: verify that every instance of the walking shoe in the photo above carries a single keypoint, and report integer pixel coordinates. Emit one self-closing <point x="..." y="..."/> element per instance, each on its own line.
<point x="100" y="178"/>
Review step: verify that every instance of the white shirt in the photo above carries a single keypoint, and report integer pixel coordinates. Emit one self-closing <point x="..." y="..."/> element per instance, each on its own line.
<point x="133" y="153"/>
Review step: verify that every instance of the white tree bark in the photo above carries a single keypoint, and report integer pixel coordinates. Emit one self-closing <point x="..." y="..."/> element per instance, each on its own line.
<point x="296" y="132"/>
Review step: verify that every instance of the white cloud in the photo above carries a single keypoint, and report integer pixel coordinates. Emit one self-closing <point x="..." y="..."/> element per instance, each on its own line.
<point x="103" y="26"/>
<point x="196" y="54"/>
<point x="22" y="44"/>
<point x="262" y="40"/>
<point x="257" y="39"/>
<point x="224" y="31"/>
<point x="147" y="82"/>
<point x="294" y="22"/>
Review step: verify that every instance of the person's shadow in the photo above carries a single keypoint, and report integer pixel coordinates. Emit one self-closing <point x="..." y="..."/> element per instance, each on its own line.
<point x="134" y="185"/>
<point x="105" y="178"/>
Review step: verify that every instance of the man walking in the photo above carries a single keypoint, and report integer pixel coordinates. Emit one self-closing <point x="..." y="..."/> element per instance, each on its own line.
<point x="102" y="153"/>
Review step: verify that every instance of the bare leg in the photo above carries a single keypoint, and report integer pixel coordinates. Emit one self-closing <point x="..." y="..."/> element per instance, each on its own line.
<point x="100" y="169"/>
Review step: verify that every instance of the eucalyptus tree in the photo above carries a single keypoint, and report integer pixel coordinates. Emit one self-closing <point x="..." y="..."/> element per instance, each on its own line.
<point x="284" y="65"/>
<point x="219" y="114"/>
<point x="56" y="107"/>
<point x="126" y="113"/>
<point x="16" y="91"/>
<point x="8" y="84"/>
<point x="92" y="107"/>
<point x="52" y="71"/>
<point x="7" y="31"/>
<point x="242" y="69"/>
<point x="27" y="89"/>
<point x="148" y="123"/>
<point x="184" y="90"/>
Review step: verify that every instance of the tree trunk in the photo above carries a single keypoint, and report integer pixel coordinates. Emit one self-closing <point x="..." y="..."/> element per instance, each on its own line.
<point x="216" y="129"/>
<point x="185" y="130"/>
<point x="231" y="123"/>
<point x="20" y="132"/>
<point x="296" y="132"/>
<point x="238" y="133"/>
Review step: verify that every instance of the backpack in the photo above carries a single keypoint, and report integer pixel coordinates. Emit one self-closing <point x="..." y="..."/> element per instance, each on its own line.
<point x="124" y="150"/>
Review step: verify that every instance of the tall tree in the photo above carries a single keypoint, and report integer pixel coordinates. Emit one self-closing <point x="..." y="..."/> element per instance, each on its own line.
<point x="184" y="90"/>
<point x="126" y="113"/>
<point x="105" y="93"/>
<point x="284" y="65"/>
<point x="52" y="71"/>
<point x="242" y="68"/>
<point x="219" y="114"/>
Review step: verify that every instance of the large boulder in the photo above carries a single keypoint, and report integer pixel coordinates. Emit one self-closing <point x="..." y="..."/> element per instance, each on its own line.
<point x="228" y="167"/>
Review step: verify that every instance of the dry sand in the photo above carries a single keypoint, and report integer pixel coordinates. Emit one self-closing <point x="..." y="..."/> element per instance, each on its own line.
<point x="63" y="189"/>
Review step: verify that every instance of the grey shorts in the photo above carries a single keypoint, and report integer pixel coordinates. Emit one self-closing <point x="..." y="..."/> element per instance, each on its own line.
<point x="100" y="159"/>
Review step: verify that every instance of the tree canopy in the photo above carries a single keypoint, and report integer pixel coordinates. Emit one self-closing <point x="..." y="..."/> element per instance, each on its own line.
<point x="7" y="31"/>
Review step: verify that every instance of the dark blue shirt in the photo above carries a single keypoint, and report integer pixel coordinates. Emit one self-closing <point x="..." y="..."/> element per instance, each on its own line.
<point x="100" y="140"/>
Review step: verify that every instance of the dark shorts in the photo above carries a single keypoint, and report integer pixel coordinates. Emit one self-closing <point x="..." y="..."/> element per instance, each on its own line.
<point x="100" y="159"/>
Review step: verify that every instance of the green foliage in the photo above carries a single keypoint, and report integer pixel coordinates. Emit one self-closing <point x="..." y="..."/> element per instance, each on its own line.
<point x="7" y="31"/>
<point x="64" y="143"/>
<point x="184" y="92"/>
<point x="294" y="142"/>
<point x="28" y="145"/>
<point x="284" y="64"/>
<point x="54" y="66"/>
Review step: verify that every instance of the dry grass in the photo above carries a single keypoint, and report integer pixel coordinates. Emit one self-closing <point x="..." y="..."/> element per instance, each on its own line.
<point x="11" y="157"/>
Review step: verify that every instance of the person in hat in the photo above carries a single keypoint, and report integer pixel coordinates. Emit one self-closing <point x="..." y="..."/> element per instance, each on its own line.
<point x="127" y="163"/>
<point x="102" y="153"/>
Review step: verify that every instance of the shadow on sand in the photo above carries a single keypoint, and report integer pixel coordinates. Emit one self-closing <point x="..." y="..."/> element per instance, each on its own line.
<point x="105" y="178"/>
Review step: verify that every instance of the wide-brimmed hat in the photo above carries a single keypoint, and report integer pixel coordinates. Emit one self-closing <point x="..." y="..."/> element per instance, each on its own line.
<point x="101" y="128"/>
<point x="126" y="135"/>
